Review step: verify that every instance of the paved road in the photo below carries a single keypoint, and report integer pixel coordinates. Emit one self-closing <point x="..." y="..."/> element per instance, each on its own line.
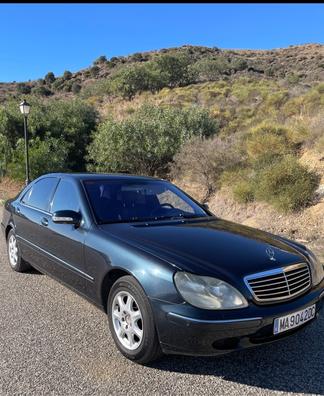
<point x="52" y="342"/>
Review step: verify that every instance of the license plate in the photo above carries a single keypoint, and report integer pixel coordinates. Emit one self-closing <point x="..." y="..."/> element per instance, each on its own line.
<point x="293" y="320"/>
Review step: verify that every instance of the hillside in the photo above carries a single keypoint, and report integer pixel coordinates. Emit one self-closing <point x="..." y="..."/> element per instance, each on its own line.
<point x="241" y="129"/>
<point x="302" y="64"/>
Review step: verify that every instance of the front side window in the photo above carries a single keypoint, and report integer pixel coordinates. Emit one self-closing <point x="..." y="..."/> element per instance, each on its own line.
<point x="65" y="197"/>
<point x="39" y="195"/>
<point x="128" y="201"/>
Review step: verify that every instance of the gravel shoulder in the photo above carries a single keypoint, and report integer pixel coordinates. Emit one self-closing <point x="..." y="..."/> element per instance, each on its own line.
<point x="53" y="342"/>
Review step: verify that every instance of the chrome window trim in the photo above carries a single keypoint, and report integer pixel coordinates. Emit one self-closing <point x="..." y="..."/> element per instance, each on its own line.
<point x="278" y="271"/>
<point x="38" y="210"/>
<point x="83" y="274"/>
<point x="31" y="186"/>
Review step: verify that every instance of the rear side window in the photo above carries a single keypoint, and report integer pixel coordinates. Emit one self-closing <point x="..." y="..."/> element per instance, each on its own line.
<point x="66" y="197"/>
<point x="39" y="195"/>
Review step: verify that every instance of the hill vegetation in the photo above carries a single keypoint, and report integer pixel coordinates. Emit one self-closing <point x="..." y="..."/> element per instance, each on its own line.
<point x="240" y="120"/>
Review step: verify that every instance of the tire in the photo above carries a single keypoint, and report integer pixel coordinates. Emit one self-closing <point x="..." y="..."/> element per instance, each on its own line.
<point x="131" y="321"/>
<point x="16" y="262"/>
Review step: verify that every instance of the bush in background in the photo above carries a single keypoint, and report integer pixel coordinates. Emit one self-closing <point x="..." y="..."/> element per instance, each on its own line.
<point x="71" y="122"/>
<point x="45" y="156"/>
<point x="243" y="191"/>
<point x="76" y="88"/>
<point x="23" y="88"/>
<point x="49" y="78"/>
<point x="146" y="141"/>
<point x="129" y="81"/>
<point x="286" y="184"/>
<point x="5" y="154"/>
<point x="204" y="160"/>
<point x="67" y="75"/>
<point x="211" y="69"/>
<point x="267" y="141"/>
<point x="42" y="91"/>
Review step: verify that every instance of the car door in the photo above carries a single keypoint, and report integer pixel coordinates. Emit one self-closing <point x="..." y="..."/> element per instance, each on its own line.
<point x="31" y="214"/>
<point x="65" y="242"/>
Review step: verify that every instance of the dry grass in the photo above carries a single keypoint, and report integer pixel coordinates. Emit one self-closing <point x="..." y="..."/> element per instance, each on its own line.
<point x="9" y="188"/>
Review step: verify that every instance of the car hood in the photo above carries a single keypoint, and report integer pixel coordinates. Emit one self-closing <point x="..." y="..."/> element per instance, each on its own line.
<point x="211" y="247"/>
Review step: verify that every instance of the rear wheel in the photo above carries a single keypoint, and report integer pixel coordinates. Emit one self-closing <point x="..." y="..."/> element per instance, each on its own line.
<point x="14" y="255"/>
<point x="131" y="321"/>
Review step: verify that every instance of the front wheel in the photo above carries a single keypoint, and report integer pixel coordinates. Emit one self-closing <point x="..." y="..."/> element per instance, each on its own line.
<point x="131" y="321"/>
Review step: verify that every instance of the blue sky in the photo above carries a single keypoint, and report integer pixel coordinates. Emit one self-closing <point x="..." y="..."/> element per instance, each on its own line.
<point x="37" y="38"/>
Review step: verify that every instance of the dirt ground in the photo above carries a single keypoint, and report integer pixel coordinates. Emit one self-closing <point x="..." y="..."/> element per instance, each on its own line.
<point x="9" y="188"/>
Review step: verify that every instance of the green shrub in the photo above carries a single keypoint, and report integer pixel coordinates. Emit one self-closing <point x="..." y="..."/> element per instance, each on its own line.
<point x="49" y="78"/>
<point x="320" y="88"/>
<point x="5" y="154"/>
<point x="147" y="140"/>
<point x="42" y="91"/>
<point x="23" y="88"/>
<point x="67" y="75"/>
<point x="243" y="191"/>
<point x="211" y="69"/>
<point x="174" y="70"/>
<point x="100" y="60"/>
<point x="58" y="84"/>
<point x="129" y="81"/>
<point x="45" y="156"/>
<point x="11" y="123"/>
<point x="286" y="184"/>
<point x="293" y="79"/>
<point x="137" y="57"/>
<point x="238" y="64"/>
<point x="267" y="141"/>
<point x="94" y="71"/>
<point x="72" y="121"/>
<point x="76" y="88"/>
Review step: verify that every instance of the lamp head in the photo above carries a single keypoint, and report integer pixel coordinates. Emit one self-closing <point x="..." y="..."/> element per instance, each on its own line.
<point x="24" y="108"/>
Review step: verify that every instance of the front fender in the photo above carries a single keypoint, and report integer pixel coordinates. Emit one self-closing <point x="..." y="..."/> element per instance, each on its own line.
<point x="103" y="255"/>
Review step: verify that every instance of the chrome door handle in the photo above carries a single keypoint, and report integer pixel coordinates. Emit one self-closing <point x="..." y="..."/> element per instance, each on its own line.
<point x="44" y="221"/>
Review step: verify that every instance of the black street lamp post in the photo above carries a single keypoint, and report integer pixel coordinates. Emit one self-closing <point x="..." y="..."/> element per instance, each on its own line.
<point x="24" y="108"/>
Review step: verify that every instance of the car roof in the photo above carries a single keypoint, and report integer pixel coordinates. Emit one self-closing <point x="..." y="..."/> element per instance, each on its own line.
<point x="100" y="176"/>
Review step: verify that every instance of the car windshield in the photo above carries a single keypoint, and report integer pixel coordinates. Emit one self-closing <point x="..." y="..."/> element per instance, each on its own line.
<point x="117" y="201"/>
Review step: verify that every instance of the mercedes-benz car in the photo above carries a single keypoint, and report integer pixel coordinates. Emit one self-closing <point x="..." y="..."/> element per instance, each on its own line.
<point x="172" y="277"/>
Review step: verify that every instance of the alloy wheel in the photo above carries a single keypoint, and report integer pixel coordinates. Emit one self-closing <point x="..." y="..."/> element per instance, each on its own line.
<point x="13" y="251"/>
<point x="127" y="320"/>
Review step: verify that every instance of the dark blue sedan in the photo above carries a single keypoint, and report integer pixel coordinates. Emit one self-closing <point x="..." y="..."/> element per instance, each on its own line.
<point x="172" y="277"/>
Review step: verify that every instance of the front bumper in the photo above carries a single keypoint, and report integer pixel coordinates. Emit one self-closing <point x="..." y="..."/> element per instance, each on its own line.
<point x="186" y="330"/>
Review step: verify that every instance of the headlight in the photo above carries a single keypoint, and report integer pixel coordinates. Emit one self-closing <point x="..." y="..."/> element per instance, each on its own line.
<point x="208" y="293"/>
<point x="317" y="268"/>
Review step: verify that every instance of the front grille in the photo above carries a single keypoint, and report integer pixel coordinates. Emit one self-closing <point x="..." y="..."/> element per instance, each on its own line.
<point x="280" y="283"/>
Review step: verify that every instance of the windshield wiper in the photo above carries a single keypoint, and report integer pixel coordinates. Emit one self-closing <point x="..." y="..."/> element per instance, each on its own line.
<point x="156" y="218"/>
<point x="178" y="217"/>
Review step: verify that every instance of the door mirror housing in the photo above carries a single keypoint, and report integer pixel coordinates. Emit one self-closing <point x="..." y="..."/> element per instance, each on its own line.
<point x="67" y="217"/>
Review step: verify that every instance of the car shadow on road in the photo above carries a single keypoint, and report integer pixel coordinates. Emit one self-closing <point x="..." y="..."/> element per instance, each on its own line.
<point x="294" y="364"/>
<point x="33" y="271"/>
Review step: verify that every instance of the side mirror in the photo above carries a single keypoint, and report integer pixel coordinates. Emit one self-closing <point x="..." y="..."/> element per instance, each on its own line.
<point x="67" y="217"/>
